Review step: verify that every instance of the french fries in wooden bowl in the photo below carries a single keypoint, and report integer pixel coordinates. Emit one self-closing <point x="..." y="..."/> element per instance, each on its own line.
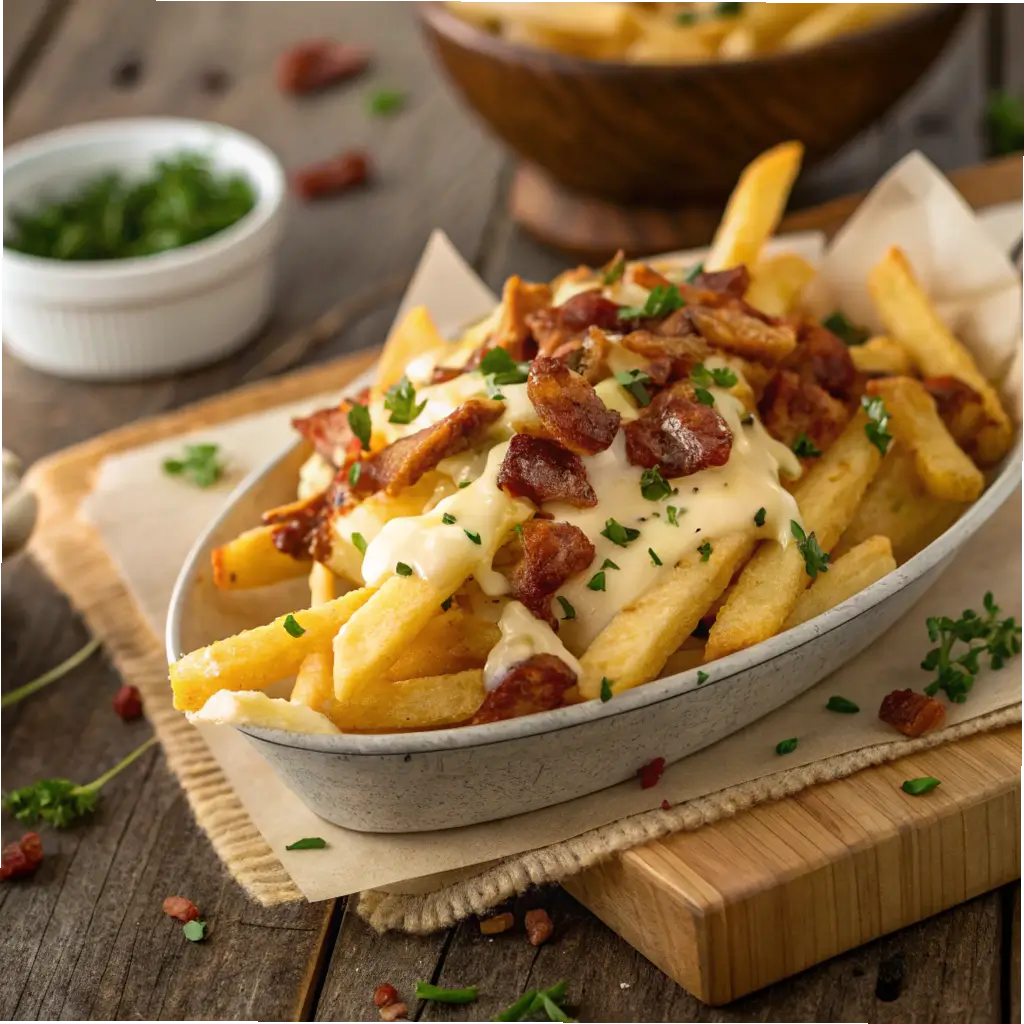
<point x="543" y="541"/>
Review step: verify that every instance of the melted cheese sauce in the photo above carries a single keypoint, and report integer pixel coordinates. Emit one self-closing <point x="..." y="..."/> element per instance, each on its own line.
<point x="522" y="636"/>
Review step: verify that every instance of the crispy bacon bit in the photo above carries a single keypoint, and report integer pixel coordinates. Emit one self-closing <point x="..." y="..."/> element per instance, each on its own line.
<point x="394" y="1011"/>
<point x="328" y="431"/>
<point x="332" y="176"/>
<point x="665" y="805"/>
<point x="821" y="358"/>
<point x="733" y="282"/>
<point x="496" y="924"/>
<point x="792" y="405"/>
<point x="519" y="300"/>
<point x="317" y="63"/>
<point x="742" y="330"/>
<point x="543" y="470"/>
<point x="678" y="434"/>
<point x="537" y="684"/>
<point x="402" y="463"/>
<point x="651" y="773"/>
<point x="22" y="858"/>
<point x="443" y="374"/>
<point x="128" y="703"/>
<point x="552" y="552"/>
<point x="181" y="909"/>
<point x="385" y="995"/>
<point x="539" y="927"/>
<point x="570" y="409"/>
<point x="555" y="327"/>
<point x="672" y="356"/>
<point x="960" y="407"/>
<point x="912" y="714"/>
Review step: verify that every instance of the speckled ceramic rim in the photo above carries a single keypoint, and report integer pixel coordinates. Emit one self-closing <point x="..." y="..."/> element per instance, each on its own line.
<point x="1004" y="484"/>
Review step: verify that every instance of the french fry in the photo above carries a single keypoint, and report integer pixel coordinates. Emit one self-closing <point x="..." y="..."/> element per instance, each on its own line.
<point x="943" y="467"/>
<point x="911" y="319"/>
<point x="452" y="642"/>
<point x="899" y="506"/>
<point x="755" y="207"/>
<point x="861" y="566"/>
<point x="773" y="580"/>
<point x="415" y="335"/>
<point x="257" y="658"/>
<point x="839" y="19"/>
<point x="251" y="560"/>
<point x="777" y="282"/>
<point x="314" y="682"/>
<point x="881" y="356"/>
<point x="635" y="646"/>
<point x="426" y="702"/>
<point x="250" y="707"/>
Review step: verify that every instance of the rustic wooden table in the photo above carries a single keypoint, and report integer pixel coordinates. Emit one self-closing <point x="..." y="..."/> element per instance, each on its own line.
<point x="86" y="937"/>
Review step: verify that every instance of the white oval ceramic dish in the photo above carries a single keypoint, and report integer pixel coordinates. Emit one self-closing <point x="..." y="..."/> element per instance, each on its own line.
<point x="449" y="777"/>
<point x="116" y="319"/>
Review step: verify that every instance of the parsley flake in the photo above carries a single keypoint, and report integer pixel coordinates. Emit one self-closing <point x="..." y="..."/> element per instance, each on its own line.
<point x="721" y="377"/>
<point x="448" y="519"/>
<point x="653" y="486"/>
<point x="385" y="102"/>
<point x="698" y="268"/>
<point x="705" y="550"/>
<point x="499" y="369"/>
<point x="845" y="330"/>
<point x="464" y="483"/>
<point x="672" y="512"/>
<point x="359" y="543"/>
<point x="688" y="18"/>
<point x="728" y="10"/>
<point x="596" y="582"/>
<point x="877" y="427"/>
<point x="447" y="602"/>
<point x="355" y="471"/>
<point x="568" y="612"/>
<point x="662" y="300"/>
<point x="359" y="422"/>
<point x="841" y="706"/>
<point x="292" y="627"/>
<point x="702" y="677"/>
<point x="785" y="746"/>
<point x="606" y="690"/>
<point x="618" y="534"/>
<point x="608" y="564"/>
<point x="920" y="786"/>
<point x="704" y="396"/>
<point x="635" y="381"/>
<point x="194" y="931"/>
<point x="400" y="399"/>
<point x="815" y="560"/>
<point x="805" y="448"/>
<point x="655" y="560"/>
<point x="759" y="517"/>
<point x="472" y="535"/>
<point x="613" y="271"/>
<point x="402" y="569"/>
<point x="311" y="843"/>
<point x="199" y="465"/>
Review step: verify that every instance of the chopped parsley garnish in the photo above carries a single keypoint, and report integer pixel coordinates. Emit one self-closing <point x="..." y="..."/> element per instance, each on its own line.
<point x="704" y="396"/>
<point x="619" y="534"/>
<point x="672" y="512"/>
<point x="877" y="427"/>
<point x="663" y="299"/>
<point x="606" y="690"/>
<point x="448" y="519"/>
<point x="518" y="528"/>
<point x="499" y="368"/>
<point x="845" y="330"/>
<point x="292" y="627"/>
<point x="805" y="448"/>
<point x="608" y="564"/>
<point x="424" y="990"/>
<point x="785" y="746"/>
<point x="1004" y="118"/>
<point x="916" y="787"/>
<point x="464" y="483"/>
<point x="355" y="471"/>
<point x="400" y="399"/>
<point x="746" y="419"/>
<point x="200" y="465"/>
<point x="568" y="612"/>
<point x="999" y="638"/>
<point x="359" y="543"/>
<point x="815" y="560"/>
<point x="705" y="550"/>
<point x="721" y="377"/>
<point x="359" y="422"/>
<point x="842" y="706"/>
<point x="194" y="931"/>
<point x="402" y="569"/>
<point x="310" y="843"/>
<point x="728" y="10"/>
<point x="634" y="382"/>
<point x="697" y="269"/>
<point x="702" y="677"/>
<point x="472" y="535"/>
<point x="653" y="486"/>
<point x="596" y="582"/>
<point x="759" y="517"/>
<point x="447" y="602"/>
<point x="655" y="560"/>
<point x="613" y="271"/>
<point x="688" y="18"/>
<point x="385" y="102"/>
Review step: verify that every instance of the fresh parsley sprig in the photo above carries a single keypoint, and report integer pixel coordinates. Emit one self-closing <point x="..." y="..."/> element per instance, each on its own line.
<point x="360" y="425"/>
<point x="877" y="427"/>
<point x="635" y="382"/>
<point x="614" y="270"/>
<point x="815" y="560"/>
<point x="986" y="634"/>
<point x="845" y="329"/>
<point x="653" y="486"/>
<point x="619" y="534"/>
<point x="400" y="400"/>
<point x="805" y="448"/>
<point x="720" y="376"/>
<point x="662" y="300"/>
<point x="199" y="465"/>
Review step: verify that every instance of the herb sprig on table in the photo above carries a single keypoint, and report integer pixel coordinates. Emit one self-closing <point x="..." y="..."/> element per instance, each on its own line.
<point x="200" y="465"/>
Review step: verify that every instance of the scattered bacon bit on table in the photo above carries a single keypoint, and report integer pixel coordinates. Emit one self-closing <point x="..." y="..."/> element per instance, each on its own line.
<point x="317" y="63"/>
<point x="543" y="470"/>
<point x="394" y="1011"/>
<point x="570" y="409"/>
<point x="22" y="858"/>
<point x="332" y="176"/>
<point x="181" y="909"/>
<point x="665" y="805"/>
<point x="552" y="552"/>
<point x="385" y="995"/>
<point x="128" y="703"/>
<point x="536" y="684"/>
<point x="496" y="924"/>
<point x="651" y="773"/>
<point x="911" y="713"/>
<point x="538" y="926"/>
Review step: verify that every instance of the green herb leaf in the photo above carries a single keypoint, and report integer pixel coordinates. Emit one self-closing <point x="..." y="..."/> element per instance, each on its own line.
<point x="400" y="399"/>
<point x="568" y="612"/>
<point x="464" y="483"/>
<point x="635" y="381"/>
<point x="596" y="582"/>
<point x="359" y="543"/>
<point x="917" y="787"/>
<point x="698" y="268"/>
<point x="500" y="369"/>
<point x="311" y="843"/>
<point x="618" y="534"/>
<point x="18" y="694"/>
<point x="702" y="677"/>
<point x="672" y="512"/>
<point x="199" y="465"/>
<point x="424" y="990"/>
<point x="728" y="10"/>
<point x="608" y="564"/>
<point x="292" y="627"/>
<point x="805" y="448"/>
<point x="704" y="396"/>
<point x="653" y="486"/>
<point x="847" y="332"/>
<point x="403" y="570"/>
<point x="194" y="931"/>
<point x="815" y="560"/>
<point x="606" y="690"/>
<point x="473" y="536"/>
<point x="877" y="427"/>
<point x="613" y="271"/>
<point x="785" y="746"/>
<point x="355" y="471"/>
<point x="721" y="377"/>
<point x="842" y="706"/>
<point x="448" y="519"/>
<point x="519" y="1008"/>
<point x="385" y="102"/>
<point x="1004" y="119"/>
<point x="553" y="1010"/>
<point x="655" y="560"/>
<point x="518" y="528"/>
<point x="759" y="517"/>
<point x="447" y="602"/>
<point x="359" y="421"/>
<point x="705" y="551"/>
<point x="662" y="300"/>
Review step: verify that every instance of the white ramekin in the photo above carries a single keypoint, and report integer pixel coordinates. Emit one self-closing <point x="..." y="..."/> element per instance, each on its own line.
<point x="116" y="319"/>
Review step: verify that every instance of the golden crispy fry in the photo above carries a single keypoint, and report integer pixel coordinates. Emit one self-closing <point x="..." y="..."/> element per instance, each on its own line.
<point x="911" y="319"/>
<point x="314" y="682"/>
<point x="689" y="656"/>
<point x="768" y="23"/>
<point x="861" y="566"/>
<point x="597" y="20"/>
<point x="256" y="658"/>
<point x="774" y="579"/>
<point x="755" y="207"/>
<point x="519" y="299"/>
<point x="943" y="467"/>
<point x="899" y="506"/>
<point x="415" y="335"/>
<point x="452" y="642"/>
<point x="634" y="647"/>
<point x="881" y="356"/>
<point x="427" y="702"/>
<point x="777" y="282"/>
<point x="250" y="707"/>
<point x="251" y="560"/>
<point x="839" y="19"/>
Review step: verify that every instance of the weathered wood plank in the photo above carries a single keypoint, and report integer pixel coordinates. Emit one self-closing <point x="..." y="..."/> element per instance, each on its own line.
<point x="1012" y="955"/>
<point x="27" y="25"/>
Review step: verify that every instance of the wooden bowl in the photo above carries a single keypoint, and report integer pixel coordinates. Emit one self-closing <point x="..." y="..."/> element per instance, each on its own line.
<point x="660" y="133"/>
